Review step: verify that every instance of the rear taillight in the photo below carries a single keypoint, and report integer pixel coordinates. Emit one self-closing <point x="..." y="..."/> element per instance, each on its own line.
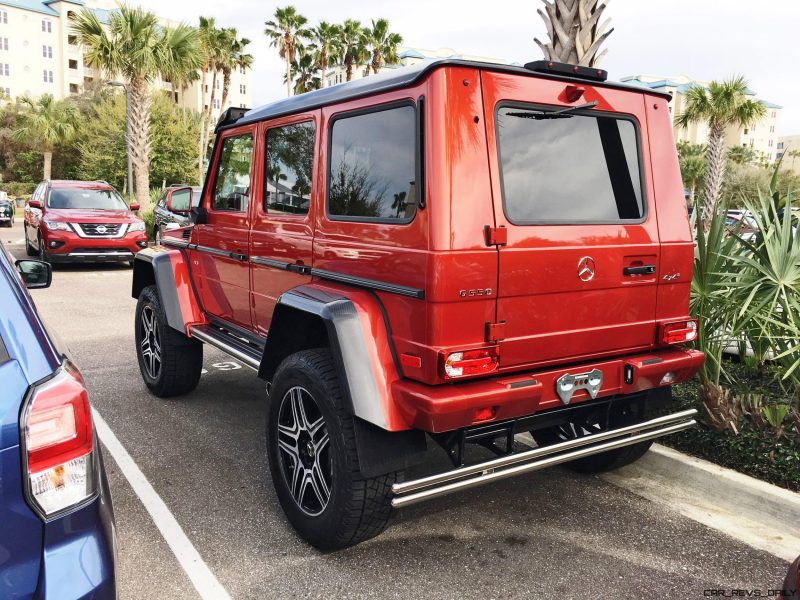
<point x="58" y="440"/>
<point x="680" y="332"/>
<point x="466" y="363"/>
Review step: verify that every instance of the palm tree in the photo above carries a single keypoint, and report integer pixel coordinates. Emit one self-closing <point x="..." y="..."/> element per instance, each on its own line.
<point x="208" y="39"/>
<point x="353" y="50"/>
<point x="720" y="106"/>
<point x="137" y="48"/>
<point x="327" y="39"/>
<point x="575" y="36"/>
<point x="44" y="123"/>
<point x="304" y="74"/>
<point x="692" y="160"/>
<point x="286" y="33"/>
<point x="235" y="57"/>
<point x="381" y="44"/>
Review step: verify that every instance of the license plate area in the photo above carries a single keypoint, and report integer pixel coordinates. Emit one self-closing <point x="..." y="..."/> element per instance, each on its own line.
<point x="568" y="384"/>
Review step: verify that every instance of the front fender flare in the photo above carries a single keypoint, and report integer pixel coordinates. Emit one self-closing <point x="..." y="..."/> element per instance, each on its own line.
<point x="168" y="270"/>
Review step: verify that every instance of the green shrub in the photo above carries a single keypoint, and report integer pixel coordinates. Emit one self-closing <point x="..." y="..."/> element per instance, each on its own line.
<point x="17" y="188"/>
<point x="148" y="217"/>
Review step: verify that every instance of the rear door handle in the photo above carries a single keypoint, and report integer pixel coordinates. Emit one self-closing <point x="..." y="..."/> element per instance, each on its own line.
<point x="299" y="267"/>
<point x="640" y="270"/>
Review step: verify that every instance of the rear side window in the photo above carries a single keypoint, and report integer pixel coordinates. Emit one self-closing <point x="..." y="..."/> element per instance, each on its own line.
<point x="581" y="168"/>
<point x="372" y="166"/>
<point x="232" y="183"/>
<point x="290" y="161"/>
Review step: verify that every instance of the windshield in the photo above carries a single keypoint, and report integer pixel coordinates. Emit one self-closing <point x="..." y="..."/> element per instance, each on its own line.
<point x="577" y="168"/>
<point x="85" y="199"/>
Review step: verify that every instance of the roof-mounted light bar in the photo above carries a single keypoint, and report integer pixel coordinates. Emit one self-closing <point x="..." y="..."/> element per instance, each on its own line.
<point x="577" y="71"/>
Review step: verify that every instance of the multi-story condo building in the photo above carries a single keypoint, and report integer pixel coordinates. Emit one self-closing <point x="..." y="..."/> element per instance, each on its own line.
<point x="761" y="137"/>
<point x="408" y="56"/>
<point x="39" y="55"/>
<point x="789" y="148"/>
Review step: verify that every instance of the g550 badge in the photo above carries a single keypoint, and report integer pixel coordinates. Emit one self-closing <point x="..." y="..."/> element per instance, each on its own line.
<point x="475" y="293"/>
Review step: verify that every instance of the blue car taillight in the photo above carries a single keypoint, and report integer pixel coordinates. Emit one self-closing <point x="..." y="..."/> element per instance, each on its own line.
<point x="59" y="443"/>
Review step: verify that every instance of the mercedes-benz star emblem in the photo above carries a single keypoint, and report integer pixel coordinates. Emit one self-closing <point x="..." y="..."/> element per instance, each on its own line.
<point x="101" y="229"/>
<point x="586" y="268"/>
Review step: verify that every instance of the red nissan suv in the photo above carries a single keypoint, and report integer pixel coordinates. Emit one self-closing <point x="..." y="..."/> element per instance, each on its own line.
<point x="81" y="221"/>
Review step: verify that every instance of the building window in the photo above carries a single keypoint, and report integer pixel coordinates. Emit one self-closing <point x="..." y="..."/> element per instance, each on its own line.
<point x="780" y="146"/>
<point x="772" y="128"/>
<point x="4" y="44"/>
<point x="5" y="93"/>
<point x="73" y="88"/>
<point x="47" y="51"/>
<point x="769" y="144"/>
<point x="72" y="40"/>
<point x="242" y="70"/>
<point x="216" y="102"/>
<point x="47" y="26"/>
<point x="218" y="82"/>
<point x="773" y="114"/>
<point x="73" y="64"/>
<point x="4" y="70"/>
<point x="242" y="88"/>
<point x="48" y="76"/>
<point x="4" y="17"/>
<point x="746" y="131"/>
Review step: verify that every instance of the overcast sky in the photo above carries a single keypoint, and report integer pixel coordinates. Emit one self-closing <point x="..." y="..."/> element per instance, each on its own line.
<point x="704" y="39"/>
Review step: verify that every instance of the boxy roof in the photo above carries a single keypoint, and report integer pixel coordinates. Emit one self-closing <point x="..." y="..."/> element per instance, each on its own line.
<point x="400" y="78"/>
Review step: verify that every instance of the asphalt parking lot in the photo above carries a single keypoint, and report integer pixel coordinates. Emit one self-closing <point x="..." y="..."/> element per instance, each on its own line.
<point x="551" y="534"/>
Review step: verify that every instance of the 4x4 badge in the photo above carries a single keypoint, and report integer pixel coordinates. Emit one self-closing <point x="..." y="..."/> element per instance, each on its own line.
<point x="586" y="268"/>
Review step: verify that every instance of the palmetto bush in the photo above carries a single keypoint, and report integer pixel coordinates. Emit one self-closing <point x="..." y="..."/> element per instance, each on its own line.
<point x="746" y="293"/>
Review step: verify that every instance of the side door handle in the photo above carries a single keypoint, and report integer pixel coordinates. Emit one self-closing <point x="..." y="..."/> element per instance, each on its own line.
<point x="298" y="267"/>
<point x="238" y="256"/>
<point x="640" y="270"/>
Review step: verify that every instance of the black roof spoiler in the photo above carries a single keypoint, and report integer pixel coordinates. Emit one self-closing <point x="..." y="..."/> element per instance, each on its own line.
<point x="576" y="71"/>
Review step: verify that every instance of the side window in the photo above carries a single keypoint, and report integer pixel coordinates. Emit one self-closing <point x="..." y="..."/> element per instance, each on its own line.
<point x="290" y="158"/>
<point x="232" y="183"/>
<point x="372" y="166"/>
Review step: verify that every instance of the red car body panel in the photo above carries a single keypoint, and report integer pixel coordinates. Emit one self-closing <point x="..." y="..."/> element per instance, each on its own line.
<point x="81" y="248"/>
<point x="547" y="318"/>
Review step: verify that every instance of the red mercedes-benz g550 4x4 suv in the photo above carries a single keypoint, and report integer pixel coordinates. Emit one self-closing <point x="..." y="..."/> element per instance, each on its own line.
<point x="82" y="221"/>
<point x="451" y="253"/>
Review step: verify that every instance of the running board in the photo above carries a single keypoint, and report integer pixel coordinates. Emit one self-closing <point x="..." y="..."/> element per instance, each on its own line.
<point x="425" y="488"/>
<point x="231" y="344"/>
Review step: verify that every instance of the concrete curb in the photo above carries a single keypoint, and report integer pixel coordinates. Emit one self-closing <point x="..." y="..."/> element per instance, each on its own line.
<point x="758" y="513"/>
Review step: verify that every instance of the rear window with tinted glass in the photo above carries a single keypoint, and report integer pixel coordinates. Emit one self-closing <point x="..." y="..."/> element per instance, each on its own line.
<point x="581" y="168"/>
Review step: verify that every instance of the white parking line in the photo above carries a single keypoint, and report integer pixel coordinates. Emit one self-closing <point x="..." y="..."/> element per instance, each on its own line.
<point x="201" y="576"/>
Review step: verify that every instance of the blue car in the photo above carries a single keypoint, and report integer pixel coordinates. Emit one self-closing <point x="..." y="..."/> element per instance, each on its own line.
<point x="56" y="518"/>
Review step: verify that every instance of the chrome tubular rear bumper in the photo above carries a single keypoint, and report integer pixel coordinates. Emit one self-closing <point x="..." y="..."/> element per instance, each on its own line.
<point x="412" y="492"/>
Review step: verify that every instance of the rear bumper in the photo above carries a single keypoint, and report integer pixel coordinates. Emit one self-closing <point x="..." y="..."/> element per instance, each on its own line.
<point x="443" y="408"/>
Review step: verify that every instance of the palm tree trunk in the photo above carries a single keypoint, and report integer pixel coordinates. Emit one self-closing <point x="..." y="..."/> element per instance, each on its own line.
<point x="140" y="140"/>
<point x="48" y="162"/>
<point x="201" y="144"/>
<point x="692" y="188"/>
<point x="376" y="63"/>
<point x="323" y="63"/>
<point x="226" y="86"/>
<point x="715" y="171"/>
<point x="288" y="75"/>
<point x="348" y="64"/>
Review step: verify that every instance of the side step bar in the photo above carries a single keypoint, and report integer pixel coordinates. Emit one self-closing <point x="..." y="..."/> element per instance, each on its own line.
<point x="235" y="346"/>
<point x="412" y="492"/>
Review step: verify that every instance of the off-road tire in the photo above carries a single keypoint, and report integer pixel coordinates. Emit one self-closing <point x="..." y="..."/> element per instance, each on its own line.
<point x="29" y="250"/>
<point x="181" y="358"/>
<point x="358" y="508"/>
<point x="596" y="463"/>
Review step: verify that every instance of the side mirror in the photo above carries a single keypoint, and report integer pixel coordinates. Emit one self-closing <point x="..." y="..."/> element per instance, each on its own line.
<point x="134" y="206"/>
<point x="35" y="273"/>
<point x="199" y="215"/>
<point x="179" y="200"/>
<point x="35" y="204"/>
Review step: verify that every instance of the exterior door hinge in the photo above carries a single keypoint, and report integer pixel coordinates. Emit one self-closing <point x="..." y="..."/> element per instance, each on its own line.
<point x="495" y="332"/>
<point x="495" y="236"/>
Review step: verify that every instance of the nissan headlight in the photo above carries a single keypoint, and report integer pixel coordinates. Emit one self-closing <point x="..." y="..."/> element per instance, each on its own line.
<point x="55" y="225"/>
<point x="137" y="226"/>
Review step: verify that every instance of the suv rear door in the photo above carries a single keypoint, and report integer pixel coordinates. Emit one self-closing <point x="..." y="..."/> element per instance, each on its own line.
<point x="578" y="274"/>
